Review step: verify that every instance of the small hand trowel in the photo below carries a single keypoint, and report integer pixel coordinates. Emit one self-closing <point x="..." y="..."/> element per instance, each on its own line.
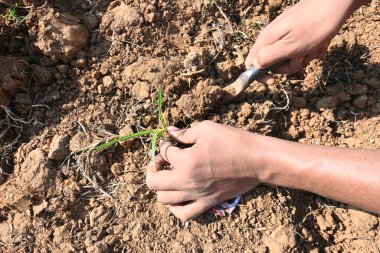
<point x="245" y="79"/>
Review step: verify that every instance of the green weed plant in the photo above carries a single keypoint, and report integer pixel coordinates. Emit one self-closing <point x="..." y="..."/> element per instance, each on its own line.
<point x="155" y="134"/>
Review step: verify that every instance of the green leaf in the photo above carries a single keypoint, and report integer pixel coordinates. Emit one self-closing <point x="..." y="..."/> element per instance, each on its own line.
<point x="154" y="142"/>
<point x="125" y="138"/>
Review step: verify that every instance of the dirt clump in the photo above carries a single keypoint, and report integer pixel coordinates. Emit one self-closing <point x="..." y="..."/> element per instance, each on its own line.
<point x="282" y="239"/>
<point x="201" y="101"/>
<point x="145" y="76"/>
<point x="29" y="182"/>
<point x="127" y="130"/>
<point x="196" y="59"/>
<point x="79" y="141"/>
<point x="14" y="75"/>
<point x="59" y="148"/>
<point x="152" y="71"/>
<point x="329" y="102"/>
<point x="121" y="18"/>
<point x="57" y="35"/>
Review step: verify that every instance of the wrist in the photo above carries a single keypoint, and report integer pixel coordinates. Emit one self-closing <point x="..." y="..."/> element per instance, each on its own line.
<point x="350" y="6"/>
<point x="281" y="163"/>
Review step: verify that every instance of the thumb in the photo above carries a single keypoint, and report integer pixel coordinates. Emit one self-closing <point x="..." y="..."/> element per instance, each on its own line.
<point x="271" y="54"/>
<point x="185" y="136"/>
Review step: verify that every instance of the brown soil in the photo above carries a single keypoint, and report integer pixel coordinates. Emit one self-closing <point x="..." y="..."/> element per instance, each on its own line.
<point x="77" y="72"/>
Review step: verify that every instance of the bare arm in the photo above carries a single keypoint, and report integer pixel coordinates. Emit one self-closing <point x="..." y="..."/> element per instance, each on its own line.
<point x="351" y="176"/>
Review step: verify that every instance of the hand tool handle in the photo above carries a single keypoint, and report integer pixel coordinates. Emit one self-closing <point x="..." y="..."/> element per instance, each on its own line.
<point x="252" y="74"/>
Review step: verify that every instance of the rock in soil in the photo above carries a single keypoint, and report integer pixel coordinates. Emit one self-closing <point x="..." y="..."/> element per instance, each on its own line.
<point x="78" y="141"/>
<point x="59" y="148"/>
<point x="127" y="130"/>
<point x="57" y="36"/>
<point x="14" y="75"/>
<point x="30" y="181"/>
<point x="282" y="239"/>
<point x="361" y="102"/>
<point x="327" y="103"/>
<point x="200" y="102"/>
<point x="121" y="18"/>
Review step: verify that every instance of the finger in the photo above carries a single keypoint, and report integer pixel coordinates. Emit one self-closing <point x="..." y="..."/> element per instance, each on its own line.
<point x="169" y="152"/>
<point x="290" y="67"/>
<point x="157" y="164"/>
<point x="269" y="35"/>
<point x="311" y="56"/>
<point x="188" y="211"/>
<point x="271" y="54"/>
<point x="185" y="136"/>
<point x="163" y="180"/>
<point x="173" y="197"/>
<point x="267" y="79"/>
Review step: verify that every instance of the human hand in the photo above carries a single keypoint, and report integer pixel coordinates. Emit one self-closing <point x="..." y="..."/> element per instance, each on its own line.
<point x="300" y="34"/>
<point x="217" y="167"/>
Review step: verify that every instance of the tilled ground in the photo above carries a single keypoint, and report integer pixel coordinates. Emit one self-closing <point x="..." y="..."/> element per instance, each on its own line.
<point x="73" y="73"/>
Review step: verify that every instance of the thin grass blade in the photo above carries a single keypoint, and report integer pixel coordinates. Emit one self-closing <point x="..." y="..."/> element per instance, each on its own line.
<point x="125" y="138"/>
<point x="154" y="143"/>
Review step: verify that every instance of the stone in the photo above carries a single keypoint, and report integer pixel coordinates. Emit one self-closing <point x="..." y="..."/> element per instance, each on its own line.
<point x="141" y="90"/>
<point x="274" y="4"/>
<point x="13" y="77"/>
<point x="107" y="81"/>
<point x="90" y="21"/>
<point x="58" y="150"/>
<point x="42" y="76"/>
<point x="359" y="89"/>
<point x="99" y="215"/>
<point x="57" y="36"/>
<point x="298" y="102"/>
<point x="361" y="102"/>
<point x="374" y="83"/>
<point x="282" y="239"/>
<point x="329" y="102"/>
<point x="126" y="130"/>
<point x="117" y="169"/>
<point x="344" y="96"/>
<point x="78" y="141"/>
<point x="376" y="108"/>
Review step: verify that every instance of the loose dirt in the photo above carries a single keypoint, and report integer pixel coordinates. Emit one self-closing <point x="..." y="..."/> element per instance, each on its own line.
<point x="74" y="73"/>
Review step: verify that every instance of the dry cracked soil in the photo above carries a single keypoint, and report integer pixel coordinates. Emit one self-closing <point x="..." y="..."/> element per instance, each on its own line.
<point x="73" y="73"/>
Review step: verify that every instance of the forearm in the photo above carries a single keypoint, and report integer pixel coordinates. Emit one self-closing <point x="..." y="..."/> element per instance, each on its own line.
<point x="351" y="176"/>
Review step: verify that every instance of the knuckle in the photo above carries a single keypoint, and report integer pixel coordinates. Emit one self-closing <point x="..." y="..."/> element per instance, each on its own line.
<point x="191" y="165"/>
<point x="205" y="124"/>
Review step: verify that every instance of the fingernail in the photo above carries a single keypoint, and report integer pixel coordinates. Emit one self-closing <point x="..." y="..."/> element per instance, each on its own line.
<point x="173" y="128"/>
